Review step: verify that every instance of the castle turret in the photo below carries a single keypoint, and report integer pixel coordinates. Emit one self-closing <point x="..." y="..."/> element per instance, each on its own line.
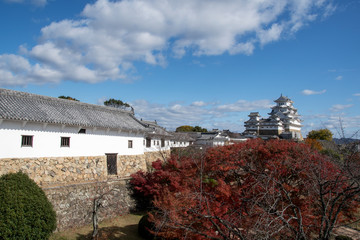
<point x="252" y="125"/>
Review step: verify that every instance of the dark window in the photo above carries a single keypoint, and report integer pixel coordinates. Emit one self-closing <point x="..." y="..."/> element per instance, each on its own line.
<point x="65" y="142"/>
<point x="130" y="144"/>
<point x="26" y="141"/>
<point x="111" y="163"/>
<point x="162" y="143"/>
<point x="83" y="130"/>
<point x="148" y="142"/>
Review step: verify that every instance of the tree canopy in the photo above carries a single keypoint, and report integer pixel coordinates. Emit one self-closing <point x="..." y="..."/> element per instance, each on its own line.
<point x="321" y="134"/>
<point x="257" y="189"/>
<point x="116" y="103"/>
<point x="68" y="98"/>
<point x="187" y="128"/>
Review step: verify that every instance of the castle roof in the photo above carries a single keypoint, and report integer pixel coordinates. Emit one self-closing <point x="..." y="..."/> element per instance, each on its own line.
<point x="23" y="106"/>
<point x="282" y="99"/>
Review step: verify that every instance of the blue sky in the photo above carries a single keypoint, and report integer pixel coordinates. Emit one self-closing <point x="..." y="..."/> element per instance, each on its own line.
<point x="190" y="62"/>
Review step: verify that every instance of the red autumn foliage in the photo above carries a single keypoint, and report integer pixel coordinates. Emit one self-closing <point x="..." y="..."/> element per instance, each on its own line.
<point x="252" y="190"/>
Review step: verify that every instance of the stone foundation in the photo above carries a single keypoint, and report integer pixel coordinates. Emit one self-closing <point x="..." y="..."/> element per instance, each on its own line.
<point x="73" y="204"/>
<point x="50" y="171"/>
<point x="59" y="171"/>
<point x="153" y="156"/>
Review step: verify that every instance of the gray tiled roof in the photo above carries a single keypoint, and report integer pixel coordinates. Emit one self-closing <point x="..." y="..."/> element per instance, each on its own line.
<point x="182" y="136"/>
<point x="23" y="106"/>
<point x="282" y="99"/>
<point x="154" y="130"/>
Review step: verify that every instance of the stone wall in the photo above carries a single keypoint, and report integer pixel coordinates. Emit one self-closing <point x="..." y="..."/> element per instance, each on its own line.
<point x="73" y="170"/>
<point x="153" y="156"/>
<point x="58" y="171"/>
<point x="74" y="203"/>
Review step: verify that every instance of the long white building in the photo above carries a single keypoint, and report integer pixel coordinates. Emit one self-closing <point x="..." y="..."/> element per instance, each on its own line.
<point x="38" y="126"/>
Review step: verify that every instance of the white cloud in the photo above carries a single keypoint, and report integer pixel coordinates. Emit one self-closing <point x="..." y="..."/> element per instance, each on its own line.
<point x="340" y="107"/>
<point x="206" y="114"/>
<point x="39" y="3"/>
<point x="329" y="10"/>
<point x="271" y="34"/>
<point x="111" y="35"/>
<point x="244" y="106"/>
<point x="339" y="78"/>
<point x="356" y="94"/>
<point x="312" y="92"/>
<point x="350" y="125"/>
<point x="199" y="104"/>
<point x="242" y="48"/>
<point x="14" y="1"/>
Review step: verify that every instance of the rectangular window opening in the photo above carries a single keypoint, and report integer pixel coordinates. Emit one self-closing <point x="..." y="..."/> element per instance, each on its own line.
<point x="65" y="142"/>
<point x="26" y="141"/>
<point x="130" y="144"/>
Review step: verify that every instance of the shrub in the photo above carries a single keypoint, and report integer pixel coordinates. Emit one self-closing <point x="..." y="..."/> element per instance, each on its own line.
<point x="25" y="211"/>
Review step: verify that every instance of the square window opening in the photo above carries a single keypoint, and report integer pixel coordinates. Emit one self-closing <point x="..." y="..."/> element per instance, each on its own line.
<point x="26" y="141"/>
<point x="65" y="142"/>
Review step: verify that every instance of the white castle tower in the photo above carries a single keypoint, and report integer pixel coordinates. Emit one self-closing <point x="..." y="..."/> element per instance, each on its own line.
<point x="284" y="121"/>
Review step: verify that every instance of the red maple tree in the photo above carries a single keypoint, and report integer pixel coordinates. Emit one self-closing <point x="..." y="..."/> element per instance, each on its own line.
<point x="253" y="190"/>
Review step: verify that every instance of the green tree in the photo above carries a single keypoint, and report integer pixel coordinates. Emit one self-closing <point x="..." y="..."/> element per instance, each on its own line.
<point x="117" y="103"/>
<point x="187" y="128"/>
<point x="184" y="128"/>
<point x="321" y="134"/>
<point x="68" y="98"/>
<point x="199" y="129"/>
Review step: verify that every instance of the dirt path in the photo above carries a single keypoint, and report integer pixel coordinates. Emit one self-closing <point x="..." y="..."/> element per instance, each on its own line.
<point x="119" y="228"/>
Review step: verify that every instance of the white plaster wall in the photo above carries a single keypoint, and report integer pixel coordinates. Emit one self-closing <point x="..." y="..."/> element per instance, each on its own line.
<point x="218" y="143"/>
<point x="156" y="145"/>
<point x="175" y="144"/>
<point x="46" y="141"/>
<point x="293" y="128"/>
<point x="211" y="142"/>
